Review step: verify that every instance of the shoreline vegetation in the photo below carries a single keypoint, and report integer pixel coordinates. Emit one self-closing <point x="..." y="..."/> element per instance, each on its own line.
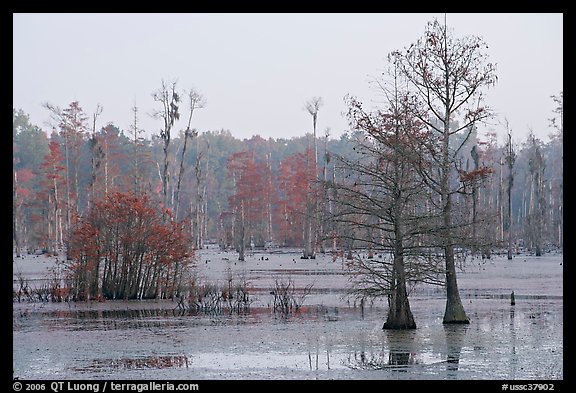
<point x="229" y="290"/>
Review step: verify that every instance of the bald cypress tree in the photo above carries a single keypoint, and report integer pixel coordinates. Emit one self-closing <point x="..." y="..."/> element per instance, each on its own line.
<point x="449" y="75"/>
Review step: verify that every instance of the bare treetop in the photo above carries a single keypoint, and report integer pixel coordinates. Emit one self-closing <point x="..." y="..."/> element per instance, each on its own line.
<point x="168" y="97"/>
<point x="197" y="101"/>
<point x="313" y="105"/>
<point x="449" y="74"/>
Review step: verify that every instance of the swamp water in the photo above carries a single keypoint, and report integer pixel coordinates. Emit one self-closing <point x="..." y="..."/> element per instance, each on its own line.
<point x="329" y="338"/>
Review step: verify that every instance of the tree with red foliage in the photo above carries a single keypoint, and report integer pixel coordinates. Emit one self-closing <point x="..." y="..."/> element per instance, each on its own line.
<point x="381" y="202"/>
<point x="52" y="196"/>
<point x="144" y="255"/>
<point x="248" y="200"/>
<point x="294" y="184"/>
<point x="20" y="194"/>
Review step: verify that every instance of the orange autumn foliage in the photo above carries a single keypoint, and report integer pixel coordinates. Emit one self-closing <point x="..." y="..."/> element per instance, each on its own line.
<point x="127" y="248"/>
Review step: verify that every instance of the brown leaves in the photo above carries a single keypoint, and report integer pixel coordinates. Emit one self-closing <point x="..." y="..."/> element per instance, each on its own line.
<point x="130" y="233"/>
<point x="474" y="176"/>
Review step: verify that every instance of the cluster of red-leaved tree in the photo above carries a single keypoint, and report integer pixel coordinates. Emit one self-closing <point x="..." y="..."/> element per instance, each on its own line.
<point x="268" y="207"/>
<point x="294" y="182"/>
<point x="127" y="248"/>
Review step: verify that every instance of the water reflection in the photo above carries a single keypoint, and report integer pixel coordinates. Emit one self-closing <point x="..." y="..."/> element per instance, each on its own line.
<point x="454" y="340"/>
<point x="149" y="362"/>
<point x="83" y="320"/>
<point x="502" y="342"/>
<point x="398" y="352"/>
<point x="513" y="342"/>
<point x="402" y="347"/>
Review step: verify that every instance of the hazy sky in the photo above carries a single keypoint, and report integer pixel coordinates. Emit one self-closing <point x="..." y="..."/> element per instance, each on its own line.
<point x="257" y="71"/>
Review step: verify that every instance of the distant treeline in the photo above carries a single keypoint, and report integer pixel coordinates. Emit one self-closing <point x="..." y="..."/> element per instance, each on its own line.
<point x="59" y="174"/>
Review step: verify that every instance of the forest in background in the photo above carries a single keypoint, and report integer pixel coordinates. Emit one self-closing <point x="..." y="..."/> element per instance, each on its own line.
<point x="58" y="173"/>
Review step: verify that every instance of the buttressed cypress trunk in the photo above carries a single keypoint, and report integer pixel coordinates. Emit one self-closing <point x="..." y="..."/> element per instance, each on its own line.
<point x="399" y="313"/>
<point x="454" y="312"/>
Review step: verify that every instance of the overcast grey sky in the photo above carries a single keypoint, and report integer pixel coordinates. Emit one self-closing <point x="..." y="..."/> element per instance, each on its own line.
<point x="258" y="70"/>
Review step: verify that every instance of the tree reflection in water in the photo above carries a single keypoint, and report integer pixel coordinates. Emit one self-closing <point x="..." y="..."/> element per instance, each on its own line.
<point x="454" y="338"/>
<point x="397" y="353"/>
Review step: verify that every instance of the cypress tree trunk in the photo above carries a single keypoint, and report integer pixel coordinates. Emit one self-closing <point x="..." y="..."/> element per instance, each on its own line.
<point x="454" y="312"/>
<point x="399" y="313"/>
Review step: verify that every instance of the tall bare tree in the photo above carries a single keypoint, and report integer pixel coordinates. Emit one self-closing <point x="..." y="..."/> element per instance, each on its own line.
<point x="557" y="122"/>
<point x="198" y="205"/>
<point x="536" y="206"/>
<point x="509" y="158"/>
<point x="137" y="164"/>
<point x="310" y="228"/>
<point x="96" y="152"/>
<point x="169" y="99"/>
<point x="196" y="101"/>
<point x="324" y="205"/>
<point x="449" y="75"/>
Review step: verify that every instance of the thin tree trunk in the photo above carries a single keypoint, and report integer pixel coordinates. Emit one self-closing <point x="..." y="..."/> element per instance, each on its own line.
<point x="500" y="204"/>
<point x="204" y="215"/>
<point x="136" y="157"/>
<point x="51" y="219"/>
<point x="307" y="219"/>
<point x="197" y="224"/>
<point x="510" y="220"/>
<point x="269" y="198"/>
<point x="540" y="200"/>
<point x="454" y="312"/>
<point x="57" y="219"/>
<point x="15" y="226"/>
<point x="180" y="173"/>
<point x="165" y="175"/>
<point x="67" y="181"/>
<point x="331" y="208"/>
<point x="241" y="234"/>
